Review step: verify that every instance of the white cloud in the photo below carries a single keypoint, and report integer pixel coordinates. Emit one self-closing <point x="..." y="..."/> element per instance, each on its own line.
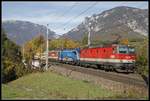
<point x="61" y="31"/>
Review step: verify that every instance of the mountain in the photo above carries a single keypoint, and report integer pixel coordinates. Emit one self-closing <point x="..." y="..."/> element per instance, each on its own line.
<point x="23" y="31"/>
<point x="118" y="22"/>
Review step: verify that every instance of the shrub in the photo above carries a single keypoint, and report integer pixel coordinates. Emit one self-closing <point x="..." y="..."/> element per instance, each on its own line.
<point x="12" y="66"/>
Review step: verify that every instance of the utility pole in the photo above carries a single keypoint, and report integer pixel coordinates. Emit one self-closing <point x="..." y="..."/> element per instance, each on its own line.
<point x="23" y="51"/>
<point x="23" y="59"/>
<point x="47" y="51"/>
<point x="89" y="35"/>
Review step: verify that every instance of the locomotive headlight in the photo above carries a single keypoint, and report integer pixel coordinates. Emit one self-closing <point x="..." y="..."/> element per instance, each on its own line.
<point x="112" y="56"/>
<point x="127" y="57"/>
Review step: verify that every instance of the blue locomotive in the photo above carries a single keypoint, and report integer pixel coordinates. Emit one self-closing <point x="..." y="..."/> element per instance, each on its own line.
<point x="68" y="56"/>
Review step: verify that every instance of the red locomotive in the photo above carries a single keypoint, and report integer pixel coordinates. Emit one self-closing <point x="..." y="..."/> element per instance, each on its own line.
<point x="53" y="55"/>
<point x="118" y="57"/>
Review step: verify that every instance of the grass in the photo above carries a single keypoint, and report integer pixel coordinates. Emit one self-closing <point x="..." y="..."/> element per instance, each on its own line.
<point x="48" y="85"/>
<point x="51" y="85"/>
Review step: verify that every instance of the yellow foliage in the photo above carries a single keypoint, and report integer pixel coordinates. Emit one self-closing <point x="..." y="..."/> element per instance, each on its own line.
<point x="37" y="45"/>
<point x="124" y="41"/>
<point x="9" y="64"/>
<point x="34" y="46"/>
<point x="63" y="43"/>
<point x="142" y="55"/>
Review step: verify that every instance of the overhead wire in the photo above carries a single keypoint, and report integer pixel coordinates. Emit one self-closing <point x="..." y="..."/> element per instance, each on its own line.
<point x="69" y="9"/>
<point x="63" y="15"/>
<point x="80" y="14"/>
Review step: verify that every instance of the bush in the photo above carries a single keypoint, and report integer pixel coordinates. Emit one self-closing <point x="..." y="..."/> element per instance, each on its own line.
<point x="142" y="57"/>
<point x="12" y="66"/>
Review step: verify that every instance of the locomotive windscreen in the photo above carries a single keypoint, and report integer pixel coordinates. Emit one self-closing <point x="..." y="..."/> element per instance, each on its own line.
<point x="123" y="49"/>
<point x="126" y="50"/>
<point x="131" y="50"/>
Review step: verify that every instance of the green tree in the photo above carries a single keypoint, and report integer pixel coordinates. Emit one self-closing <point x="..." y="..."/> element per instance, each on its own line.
<point x="12" y="67"/>
<point x="35" y="46"/>
<point x="142" y="57"/>
<point x="63" y="43"/>
<point x="85" y="40"/>
<point x="141" y="46"/>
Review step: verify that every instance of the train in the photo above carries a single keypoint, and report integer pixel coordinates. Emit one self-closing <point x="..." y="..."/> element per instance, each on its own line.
<point x="113" y="57"/>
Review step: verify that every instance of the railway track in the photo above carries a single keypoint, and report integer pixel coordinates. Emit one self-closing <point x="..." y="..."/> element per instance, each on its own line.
<point x="123" y="78"/>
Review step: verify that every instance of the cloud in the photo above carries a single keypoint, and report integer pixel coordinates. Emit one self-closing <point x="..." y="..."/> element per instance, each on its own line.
<point x="61" y="31"/>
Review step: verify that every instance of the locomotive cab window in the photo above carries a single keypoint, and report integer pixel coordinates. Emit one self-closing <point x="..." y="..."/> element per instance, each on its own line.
<point x="123" y="49"/>
<point x="74" y="52"/>
<point x="131" y="50"/>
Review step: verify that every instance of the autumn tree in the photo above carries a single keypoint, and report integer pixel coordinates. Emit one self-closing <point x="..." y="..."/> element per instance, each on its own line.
<point x="142" y="57"/>
<point x="124" y="41"/>
<point x="62" y="43"/>
<point x="12" y="66"/>
<point x="34" y="46"/>
<point x="85" y="40"/>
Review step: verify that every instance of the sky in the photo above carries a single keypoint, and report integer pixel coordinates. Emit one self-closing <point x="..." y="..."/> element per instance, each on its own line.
<point x="61" y="16"/>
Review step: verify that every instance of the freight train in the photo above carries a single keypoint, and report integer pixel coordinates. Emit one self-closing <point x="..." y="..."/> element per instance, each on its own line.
<point x="110" y="57"/>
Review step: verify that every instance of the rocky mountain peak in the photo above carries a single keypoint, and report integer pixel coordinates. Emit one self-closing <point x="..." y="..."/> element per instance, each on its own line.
<point x="118" y="20"/>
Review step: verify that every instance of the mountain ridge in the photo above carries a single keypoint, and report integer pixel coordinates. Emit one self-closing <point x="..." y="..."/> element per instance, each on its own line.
<point x="22" y="31"/>
<point x="119" y="21"/>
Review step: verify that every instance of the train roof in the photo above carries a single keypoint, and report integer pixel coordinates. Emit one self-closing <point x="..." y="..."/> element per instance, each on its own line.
<point x="99" y="46"/>
<point x="87" y="47"/>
